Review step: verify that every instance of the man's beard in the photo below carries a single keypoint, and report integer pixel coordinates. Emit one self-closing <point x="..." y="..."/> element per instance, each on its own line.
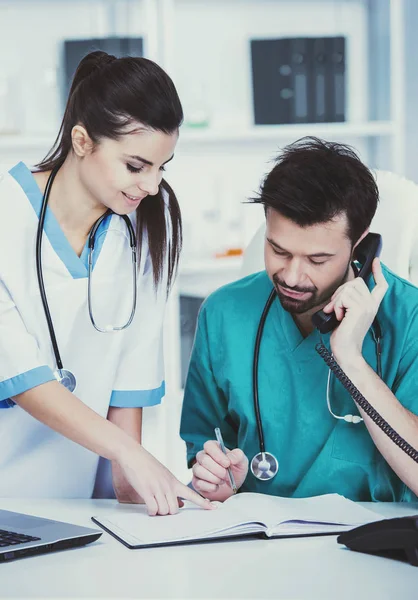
<point x="298" y="307"/>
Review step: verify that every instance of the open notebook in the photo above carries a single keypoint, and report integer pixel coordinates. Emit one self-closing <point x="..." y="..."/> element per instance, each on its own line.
<point x="241" y="515"/>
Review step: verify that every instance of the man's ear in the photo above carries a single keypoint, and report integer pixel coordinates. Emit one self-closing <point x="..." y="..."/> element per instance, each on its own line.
<point x="361" y="238"/>
<point x="82" y="142"/>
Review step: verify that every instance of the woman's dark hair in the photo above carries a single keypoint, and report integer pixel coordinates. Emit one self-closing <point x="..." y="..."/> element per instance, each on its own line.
<point x="106" y="95"/>
<point x="314" y="181"/>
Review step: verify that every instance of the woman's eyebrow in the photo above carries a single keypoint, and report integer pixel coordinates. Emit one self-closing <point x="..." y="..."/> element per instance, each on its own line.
<point x="144" y="160"/>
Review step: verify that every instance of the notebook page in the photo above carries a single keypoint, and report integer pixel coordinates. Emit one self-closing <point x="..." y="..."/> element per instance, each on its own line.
<point x="191" y="522"/>
<point x="304" y="528"/>
<point x="328" y="508"/>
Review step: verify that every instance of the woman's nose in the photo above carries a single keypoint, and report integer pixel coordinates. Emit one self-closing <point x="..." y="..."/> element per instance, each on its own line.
<point x="149" y="183"/>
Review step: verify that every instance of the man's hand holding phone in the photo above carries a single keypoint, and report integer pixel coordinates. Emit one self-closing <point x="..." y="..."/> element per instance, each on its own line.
<point x="210" y="475"/>
<point x="355" y="307"/>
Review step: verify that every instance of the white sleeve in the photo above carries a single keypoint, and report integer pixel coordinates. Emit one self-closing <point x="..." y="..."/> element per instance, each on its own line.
<point x="21" y="365"/>
<point x="140" y="377"/>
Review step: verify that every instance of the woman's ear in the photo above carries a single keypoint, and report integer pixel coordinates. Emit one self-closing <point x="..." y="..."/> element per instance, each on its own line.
<point x="82" y="142"/>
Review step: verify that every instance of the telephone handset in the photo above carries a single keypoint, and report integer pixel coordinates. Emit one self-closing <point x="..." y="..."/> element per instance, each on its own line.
<point x="365" y="253"/>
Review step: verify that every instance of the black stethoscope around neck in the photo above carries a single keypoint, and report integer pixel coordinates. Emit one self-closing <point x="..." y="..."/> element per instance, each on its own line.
<point x="264" y="465"/>
<point x="64" y="376"/>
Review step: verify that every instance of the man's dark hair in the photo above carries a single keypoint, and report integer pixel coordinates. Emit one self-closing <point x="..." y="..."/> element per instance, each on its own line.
<point x="314" y="181"/>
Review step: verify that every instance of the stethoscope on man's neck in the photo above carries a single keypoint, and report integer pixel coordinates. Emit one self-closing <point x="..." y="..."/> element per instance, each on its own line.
<point x="64" y="376"/>
<point x="264" y="465"/>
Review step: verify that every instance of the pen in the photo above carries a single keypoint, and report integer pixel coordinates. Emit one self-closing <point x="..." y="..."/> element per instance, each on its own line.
<point x="222" y="446"/>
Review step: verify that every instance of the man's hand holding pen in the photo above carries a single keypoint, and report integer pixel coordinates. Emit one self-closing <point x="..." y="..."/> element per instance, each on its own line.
<point x="210" y="471"/>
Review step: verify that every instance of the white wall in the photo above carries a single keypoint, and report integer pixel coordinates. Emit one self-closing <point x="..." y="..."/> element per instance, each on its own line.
<point x="206" y="49"/>
<point x="210" y="53"/>
<point x="411" y="96"/>
<point x="31" y="35"/>
<point x="211" y="48"/>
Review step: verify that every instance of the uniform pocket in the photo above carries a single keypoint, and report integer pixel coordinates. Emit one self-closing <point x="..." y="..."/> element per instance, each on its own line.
<point x="353" y="444"/>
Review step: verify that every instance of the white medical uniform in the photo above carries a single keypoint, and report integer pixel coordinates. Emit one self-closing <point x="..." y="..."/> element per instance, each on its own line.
<point x="123" y="369"/>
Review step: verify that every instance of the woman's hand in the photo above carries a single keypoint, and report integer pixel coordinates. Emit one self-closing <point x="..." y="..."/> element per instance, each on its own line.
<point x="154" y="484"/>
<point x="124" y="492"/>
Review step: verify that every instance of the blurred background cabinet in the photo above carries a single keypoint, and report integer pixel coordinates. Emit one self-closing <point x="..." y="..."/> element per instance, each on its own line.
<point x="205" y="45"/>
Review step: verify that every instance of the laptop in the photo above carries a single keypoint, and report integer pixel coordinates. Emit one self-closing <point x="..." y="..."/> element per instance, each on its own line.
<point x="24" y="535"/>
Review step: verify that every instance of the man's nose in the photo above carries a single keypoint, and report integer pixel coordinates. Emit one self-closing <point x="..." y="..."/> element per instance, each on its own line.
<point x="293" y="275"/>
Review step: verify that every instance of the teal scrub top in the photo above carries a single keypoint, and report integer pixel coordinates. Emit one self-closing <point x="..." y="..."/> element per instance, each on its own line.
<point x="317" y="453"/>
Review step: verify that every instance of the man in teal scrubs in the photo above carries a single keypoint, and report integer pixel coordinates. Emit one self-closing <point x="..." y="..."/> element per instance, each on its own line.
<point x="319" y="201"/>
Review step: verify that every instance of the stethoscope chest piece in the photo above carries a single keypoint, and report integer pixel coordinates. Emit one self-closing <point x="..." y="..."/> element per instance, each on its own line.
<point x="264" y="466"/>
<point x="66" y="378"/>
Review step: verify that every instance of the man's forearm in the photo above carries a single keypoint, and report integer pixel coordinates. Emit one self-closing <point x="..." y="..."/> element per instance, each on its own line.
<point x="52" y="404"/>
<point x="399" y="418"/>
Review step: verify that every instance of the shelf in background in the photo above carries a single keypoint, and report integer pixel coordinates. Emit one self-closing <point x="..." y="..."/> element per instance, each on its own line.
<point x="199" y="278"/>
<point x="259" y="133"/>
<point x="274" y="132"/>
<point x="210" y="265"/>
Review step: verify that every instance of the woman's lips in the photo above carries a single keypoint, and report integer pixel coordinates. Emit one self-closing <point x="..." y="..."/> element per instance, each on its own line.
<point x="133" y="199"/>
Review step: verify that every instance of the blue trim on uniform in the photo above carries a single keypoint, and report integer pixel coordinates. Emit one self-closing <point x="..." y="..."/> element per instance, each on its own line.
<point x="76" y="266"/>
<point x="137" y="398"/>
<point x="23" y="382"/>
<point x="98" y="243"/>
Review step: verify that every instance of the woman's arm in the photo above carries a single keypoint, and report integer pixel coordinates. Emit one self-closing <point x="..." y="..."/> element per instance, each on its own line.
<point x="52" y="404"/>
<point x="130" y="421"/>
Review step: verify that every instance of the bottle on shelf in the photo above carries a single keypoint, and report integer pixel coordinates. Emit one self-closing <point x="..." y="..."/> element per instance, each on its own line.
<point x="196" y="107"/>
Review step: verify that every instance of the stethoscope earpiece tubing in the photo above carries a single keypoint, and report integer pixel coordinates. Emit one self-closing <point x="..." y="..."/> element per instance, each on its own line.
<point x="38" y="255"/>
<point x="91" y="245"/>
<point x="259" y="335"/>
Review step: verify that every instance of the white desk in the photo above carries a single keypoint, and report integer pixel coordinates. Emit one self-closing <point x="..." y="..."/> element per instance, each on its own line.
<point x="311" y="568"/>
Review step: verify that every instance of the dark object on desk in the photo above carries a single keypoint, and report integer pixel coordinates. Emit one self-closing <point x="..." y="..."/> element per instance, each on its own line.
<point x="392" y="538"/>
<point x="24" y="535"/>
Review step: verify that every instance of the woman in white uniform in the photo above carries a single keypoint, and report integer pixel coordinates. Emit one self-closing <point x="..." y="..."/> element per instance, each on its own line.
<point x="119" y="130"/>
